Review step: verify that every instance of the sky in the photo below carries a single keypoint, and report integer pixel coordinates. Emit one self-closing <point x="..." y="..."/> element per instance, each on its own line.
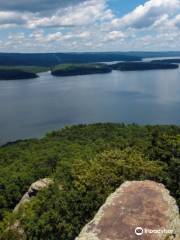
<point x="89" y="25"/>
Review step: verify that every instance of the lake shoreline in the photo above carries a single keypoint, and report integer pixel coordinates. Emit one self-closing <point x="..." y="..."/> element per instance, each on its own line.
<point x="63" y="70"/>
<point x="29" y="109"/>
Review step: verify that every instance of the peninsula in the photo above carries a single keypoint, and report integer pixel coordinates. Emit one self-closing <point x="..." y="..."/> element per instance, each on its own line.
<point x="80" y="69"/>
<point x="175" y="60"/>
<point x="140" y="66"/>
<point x="15" y="74"/>
<point x="20" y="72"/>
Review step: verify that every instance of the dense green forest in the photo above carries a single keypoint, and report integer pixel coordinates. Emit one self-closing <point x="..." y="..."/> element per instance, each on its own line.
<point x="31" y="69"/>
<point x="83" y="69"/>
<point x="53" y="59"/>
<point x="152" y="54"/>
<point x="72" y="69"/>
<point x="9" y="74"/>
<point x="137" y="66"/>
<point x="175" y="60"/>
<point x="80" y="69"/>
<point x="20" y="72"/>
<point x="87" y="163"/>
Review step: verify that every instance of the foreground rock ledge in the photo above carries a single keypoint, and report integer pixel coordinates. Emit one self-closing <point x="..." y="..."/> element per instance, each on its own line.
<point x="144" y="204"/>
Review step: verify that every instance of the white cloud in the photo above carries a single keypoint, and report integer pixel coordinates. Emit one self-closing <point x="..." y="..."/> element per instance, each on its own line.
<point x="54" y="37"/>
<point x="58" y="36"/>
<point x="176" y="21"/>
<point x="85" y="13"/>
<point x="146" y="15"/>
<point x="114" y="35"/>
<point x="92" y="26"/>
<point x="9" y="19"/>
<point x="35" y="5"/>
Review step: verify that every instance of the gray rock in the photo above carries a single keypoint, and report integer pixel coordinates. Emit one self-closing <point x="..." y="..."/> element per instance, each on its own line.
<point x="33" y="190"/>
<point x="144" y="204"/>
<point x="35" y="187"/>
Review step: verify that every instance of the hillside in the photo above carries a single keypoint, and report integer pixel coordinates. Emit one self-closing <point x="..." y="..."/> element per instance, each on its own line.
<point x="153" y="54"/>
<point x="86" y="164"/>
<point x="52" y="59"/>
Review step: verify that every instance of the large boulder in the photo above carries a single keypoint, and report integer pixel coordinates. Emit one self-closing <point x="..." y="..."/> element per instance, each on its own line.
<point x="137" y="210"/>
<point x="33" y="190"/>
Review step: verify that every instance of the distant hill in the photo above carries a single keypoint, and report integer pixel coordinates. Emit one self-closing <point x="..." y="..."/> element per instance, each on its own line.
<point x="150" y="54"/>
<point x="175" y="60"/>
<point x="52" y="59"/>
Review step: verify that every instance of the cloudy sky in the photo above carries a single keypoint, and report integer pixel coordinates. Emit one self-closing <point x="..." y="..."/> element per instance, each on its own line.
<point x="89" y="25"/>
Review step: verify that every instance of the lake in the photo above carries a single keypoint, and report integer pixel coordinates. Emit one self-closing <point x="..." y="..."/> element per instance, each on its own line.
<point x="31" y="108"/>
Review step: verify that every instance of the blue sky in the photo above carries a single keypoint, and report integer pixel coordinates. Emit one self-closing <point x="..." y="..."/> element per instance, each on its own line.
<point x="89" y="25"/>
<point x="121" y="9"/>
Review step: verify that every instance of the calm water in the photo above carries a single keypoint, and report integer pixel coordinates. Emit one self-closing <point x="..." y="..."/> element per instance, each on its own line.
<point x="30" y="108"/>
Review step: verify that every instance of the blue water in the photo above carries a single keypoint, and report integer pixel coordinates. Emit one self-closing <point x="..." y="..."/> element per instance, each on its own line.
<point x="30" y="108"/>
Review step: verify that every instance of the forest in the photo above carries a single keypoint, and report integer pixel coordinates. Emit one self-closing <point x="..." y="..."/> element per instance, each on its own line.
<point x="73" y="69"/>
<point x="20" y="72"/>
<point x="13" y="74"/>
<point x="141" y="66"/>
<point x="80" y="69"/>
<point x="86" y="163"/>
<point x="53" y="59"/>
<point x="174" y="60"/>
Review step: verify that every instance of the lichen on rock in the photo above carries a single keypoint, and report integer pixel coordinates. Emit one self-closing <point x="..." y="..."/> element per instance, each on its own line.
<point x="144" y="204"/>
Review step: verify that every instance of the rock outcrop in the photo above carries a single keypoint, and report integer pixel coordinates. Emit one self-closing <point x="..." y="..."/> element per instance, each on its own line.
<point x="137" y="210"/>
<point x="16" y="229"/>
<point x="33" y="190"/>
